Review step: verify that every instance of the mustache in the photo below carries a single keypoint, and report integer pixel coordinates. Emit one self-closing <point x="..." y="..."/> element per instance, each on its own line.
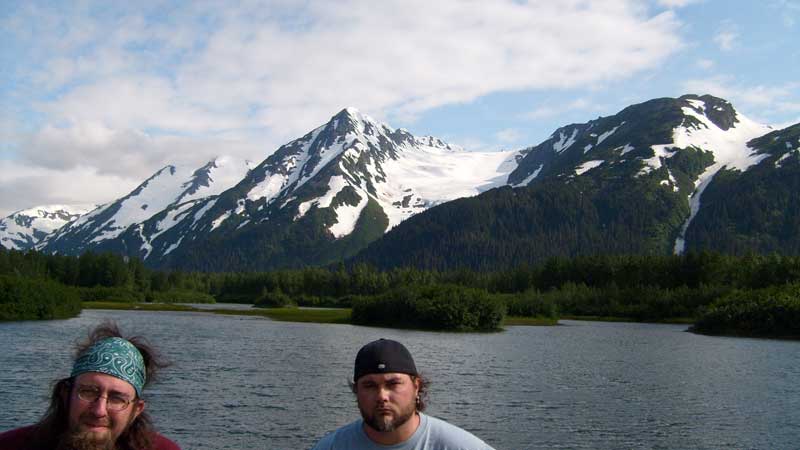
<point x="89" y="419"/>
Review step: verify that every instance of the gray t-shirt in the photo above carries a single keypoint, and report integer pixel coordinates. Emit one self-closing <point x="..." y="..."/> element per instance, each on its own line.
<point x="432" y="434"/>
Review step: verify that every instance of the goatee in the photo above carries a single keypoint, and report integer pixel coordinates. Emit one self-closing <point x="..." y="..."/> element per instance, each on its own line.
<point x="383" y="423"/>
<point x="85" y="441"/>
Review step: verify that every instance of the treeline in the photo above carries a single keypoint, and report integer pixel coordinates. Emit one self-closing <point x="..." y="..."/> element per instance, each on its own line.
<point x="32" y="299"/>
<point x="40" y="286"/>
<point x="705" y="287"/>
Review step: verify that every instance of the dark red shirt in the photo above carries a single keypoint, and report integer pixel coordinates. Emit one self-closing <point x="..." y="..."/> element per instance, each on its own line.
<point x="20" y="439"/>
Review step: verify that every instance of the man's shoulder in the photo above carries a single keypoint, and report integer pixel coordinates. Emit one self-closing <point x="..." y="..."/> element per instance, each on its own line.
<point x="22" y="438"/>
<point x="160" y="442"/>
<point x="17" y="438"/>
<point x="341" y="438"/>
<point x="453" y="436"/>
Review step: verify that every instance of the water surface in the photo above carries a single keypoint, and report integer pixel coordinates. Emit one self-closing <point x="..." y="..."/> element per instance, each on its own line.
<point x="251" y="383"/>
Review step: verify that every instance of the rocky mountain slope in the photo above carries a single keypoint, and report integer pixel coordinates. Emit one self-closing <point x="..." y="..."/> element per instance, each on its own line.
<point x="23" y="230"/>
<point x="644" y="180"/>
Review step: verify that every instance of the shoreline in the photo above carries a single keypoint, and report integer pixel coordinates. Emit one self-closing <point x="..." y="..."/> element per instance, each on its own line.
<point x="306" y="314"/>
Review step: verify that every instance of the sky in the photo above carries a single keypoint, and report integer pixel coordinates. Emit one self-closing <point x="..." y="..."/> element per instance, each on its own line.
<point x="96" y="96"/>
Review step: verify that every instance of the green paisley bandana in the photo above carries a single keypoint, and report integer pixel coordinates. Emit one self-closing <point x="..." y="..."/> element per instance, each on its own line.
<point x="116" y="357"/>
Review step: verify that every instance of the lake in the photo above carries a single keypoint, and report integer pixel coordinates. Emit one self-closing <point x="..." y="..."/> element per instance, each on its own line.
<point x="251" y="383"/>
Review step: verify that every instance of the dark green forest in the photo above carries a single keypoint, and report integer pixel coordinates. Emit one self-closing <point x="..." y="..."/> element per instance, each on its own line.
<point x="747" y="295"/>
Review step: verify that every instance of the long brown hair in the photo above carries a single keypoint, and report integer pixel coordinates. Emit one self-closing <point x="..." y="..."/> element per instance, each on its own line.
<point x="55" y="421"/>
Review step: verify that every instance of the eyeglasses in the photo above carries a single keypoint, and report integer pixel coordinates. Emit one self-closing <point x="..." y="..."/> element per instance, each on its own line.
<point x="114" y="402"/>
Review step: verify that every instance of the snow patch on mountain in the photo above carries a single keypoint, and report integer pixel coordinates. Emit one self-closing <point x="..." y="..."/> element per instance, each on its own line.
<point x="24" y="229"/>
<point x="335" y="185"/>
<point x="608" y="133"/>
<point x="218" y="175"/>
<point x="728" y="146"/>
<point x="173" y="246"/>
<point x="670" y="181"/>
<point x="587" y="166"/>
<point x="563" y="142"/>
<point x="218" y="221"/>
<point x="346" y="218"/>
<point x="530" y="177"/>
<point x="168" y="188"/>
<point x="625" y="149"/>
<point x="426" y="176"/>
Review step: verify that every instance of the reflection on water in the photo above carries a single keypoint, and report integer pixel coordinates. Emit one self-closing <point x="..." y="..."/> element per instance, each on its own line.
<point x="247" y="382"/>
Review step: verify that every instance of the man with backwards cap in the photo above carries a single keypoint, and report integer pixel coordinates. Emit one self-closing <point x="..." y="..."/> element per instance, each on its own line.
<point x="391" y="397"/>
<point x="100" y="405"/>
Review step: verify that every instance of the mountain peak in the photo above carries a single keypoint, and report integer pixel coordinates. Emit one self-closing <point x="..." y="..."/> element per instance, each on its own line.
<point x="349" y="113"/>
<point x="24" y="229"/>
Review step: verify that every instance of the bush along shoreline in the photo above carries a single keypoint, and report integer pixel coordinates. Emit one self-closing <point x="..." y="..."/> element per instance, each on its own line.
<point x="753" y="295"/>
<point x="772" y="312"/>
<point x="439" y="307"/>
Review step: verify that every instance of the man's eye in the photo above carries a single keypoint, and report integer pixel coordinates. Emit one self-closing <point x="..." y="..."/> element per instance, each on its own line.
<point x="117" y="400"/>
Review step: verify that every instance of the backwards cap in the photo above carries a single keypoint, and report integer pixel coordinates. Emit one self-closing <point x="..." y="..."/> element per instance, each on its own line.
<point x="383" y="356"/>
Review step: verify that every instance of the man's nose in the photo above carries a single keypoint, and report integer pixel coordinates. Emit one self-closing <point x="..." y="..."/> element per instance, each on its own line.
<point x="98" y="407"/>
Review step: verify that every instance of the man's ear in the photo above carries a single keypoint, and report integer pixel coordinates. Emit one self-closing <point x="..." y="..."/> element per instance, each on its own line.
<point x="417" y="382"/>
<point x="138" y="408"/>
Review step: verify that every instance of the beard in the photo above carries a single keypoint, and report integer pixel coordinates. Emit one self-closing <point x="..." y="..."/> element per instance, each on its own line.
<point x="78" y="439"/>
<point x="386" y="423"/>
<point x="84" y="440"/>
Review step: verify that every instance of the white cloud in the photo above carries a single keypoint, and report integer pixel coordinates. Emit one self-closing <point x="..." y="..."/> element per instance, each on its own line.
<point x="676" y="3"/>
<point x="789" y="11"/>
<point x="129" y="152"/>
<point x="23" y="186"/>
<point x="555" y="109"/>
<point x="726" y="39"/>
<point x="705" y="63"/>
<point x="110" y="89"/>
<point x="397" y="56"/>
<point x="509" y="136"/>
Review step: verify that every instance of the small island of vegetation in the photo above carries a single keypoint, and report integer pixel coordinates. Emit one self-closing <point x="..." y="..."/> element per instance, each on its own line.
<point x="719" y="294"/>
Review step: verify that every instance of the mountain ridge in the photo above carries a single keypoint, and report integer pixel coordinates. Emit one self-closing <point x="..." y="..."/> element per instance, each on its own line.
<point x="635" y="181"/>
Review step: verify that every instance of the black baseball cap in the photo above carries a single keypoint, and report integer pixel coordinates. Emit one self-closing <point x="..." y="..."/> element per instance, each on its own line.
<point x="383" y="356"/>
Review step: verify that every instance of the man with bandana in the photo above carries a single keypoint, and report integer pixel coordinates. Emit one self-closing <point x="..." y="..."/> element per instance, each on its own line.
<point x="391" y="397"/>
<point x="100" y="405"/>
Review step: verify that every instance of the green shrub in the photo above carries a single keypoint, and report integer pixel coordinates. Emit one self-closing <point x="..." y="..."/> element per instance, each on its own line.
<point x="438" y="307"/>
<point x="530" y="303"/>
<point x="769" y="312"/>
<point x="35" y="299"/>
<point x="274" y="299"/>
<point x="180" y="296"/>
<point x="110" y="294"/>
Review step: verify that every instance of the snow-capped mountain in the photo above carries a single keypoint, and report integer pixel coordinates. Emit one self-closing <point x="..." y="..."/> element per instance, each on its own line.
<point x="170" y="186"/>
<point x="638" y="138"/>
<point x="341" y="185"/>
<point x="655" y="178"/>
<point x="356" y="157"/>
<point x="23" y="230"/>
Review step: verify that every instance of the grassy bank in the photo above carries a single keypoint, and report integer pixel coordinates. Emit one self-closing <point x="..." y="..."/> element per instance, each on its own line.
<point x="322" y="315"/>
<point x="529" y="321"/>
<point x="326" y="315"/>
<point x="312" y="315"/>
<point x="671" y="320"/>
<point x="138" y="306"/>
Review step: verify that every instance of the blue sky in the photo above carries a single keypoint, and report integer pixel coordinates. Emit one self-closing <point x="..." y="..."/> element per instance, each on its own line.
<point x="98" y="95"/>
